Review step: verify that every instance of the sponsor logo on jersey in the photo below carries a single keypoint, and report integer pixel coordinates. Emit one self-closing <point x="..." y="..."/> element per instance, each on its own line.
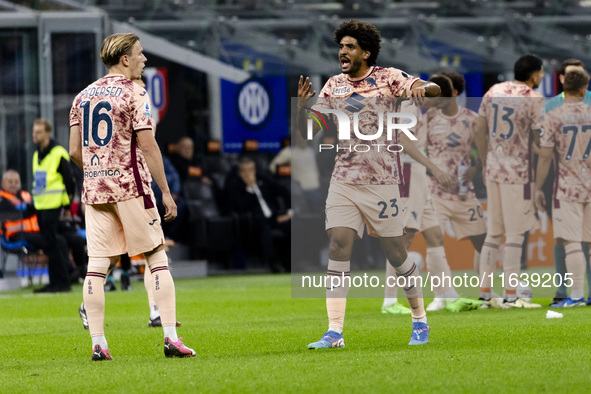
<point x="110" y="173"/>
<point x="341" y="91"/>
<point x="94" y="160"/>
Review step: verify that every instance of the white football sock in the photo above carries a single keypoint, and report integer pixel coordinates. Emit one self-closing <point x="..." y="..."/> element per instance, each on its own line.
<point x="100" y="340"/>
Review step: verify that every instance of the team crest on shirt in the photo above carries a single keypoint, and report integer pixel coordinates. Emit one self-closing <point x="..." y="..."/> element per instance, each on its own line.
<point x="341" y="91"/>
<point x="465" y="123"/>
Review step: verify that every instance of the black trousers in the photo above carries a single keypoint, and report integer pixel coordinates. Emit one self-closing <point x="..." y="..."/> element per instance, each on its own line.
<point x="269" y="254"/>
<point x="55" y="247"/>
<point x="77" y="245"/>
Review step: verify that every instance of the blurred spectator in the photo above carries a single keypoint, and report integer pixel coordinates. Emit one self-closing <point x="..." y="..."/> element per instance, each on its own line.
<point x="18" y="205"/>
<point x="25" y="227"/>
<point x="269" y="205"/>
<point x="171" y="229"/>
<point x="52" y="184"/>
<point x="283" y="157"/>
<point x="184" y="158"/>
<point x="304" y="170"/>
<point x="325" y="160"/>
<point x="70" y="228"/>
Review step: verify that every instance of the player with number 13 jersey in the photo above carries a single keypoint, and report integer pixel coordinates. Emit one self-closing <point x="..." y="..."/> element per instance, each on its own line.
<point x="110" y="112"/>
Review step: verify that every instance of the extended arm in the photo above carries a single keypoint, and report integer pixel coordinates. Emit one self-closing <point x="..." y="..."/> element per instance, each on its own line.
<point x="411" y="149"/>
<point x="422" y="88"/>
<point x="76" y="146"/>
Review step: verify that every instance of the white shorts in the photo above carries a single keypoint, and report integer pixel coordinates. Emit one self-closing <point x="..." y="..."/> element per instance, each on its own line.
<point x="354" y="206"/>
<point x="571" y="221"/>
<point x="510" y="208"/>
<point x="465" y="216"/>
<point x="113" y="229"/>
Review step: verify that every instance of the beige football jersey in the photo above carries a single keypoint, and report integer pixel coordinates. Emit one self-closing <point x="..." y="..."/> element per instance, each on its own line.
<point x="449" y="143"/>
<point x="568" y="129"/>
<point x="110" y="112"/>
<point x="512" y="111"/>
<point x="367" y="96"/>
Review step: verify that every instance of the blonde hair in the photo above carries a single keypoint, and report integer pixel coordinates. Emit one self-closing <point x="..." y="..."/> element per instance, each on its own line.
<point x="115" y="46"/>
<point x="45" y="123"/>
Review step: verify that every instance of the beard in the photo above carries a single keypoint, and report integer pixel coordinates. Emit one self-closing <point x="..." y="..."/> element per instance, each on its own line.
<point x="354" y="67"/>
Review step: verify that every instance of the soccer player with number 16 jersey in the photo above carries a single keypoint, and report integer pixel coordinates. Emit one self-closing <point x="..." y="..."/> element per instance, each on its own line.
<point x="112" y="141"/>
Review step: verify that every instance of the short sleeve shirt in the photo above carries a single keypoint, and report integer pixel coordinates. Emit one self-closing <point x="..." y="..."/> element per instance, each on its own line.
<point x="567" y="129"/>
<point x="367" y="95"/>
<point x="110" y="113"/>
<point x="449" y="143"/>
<point x="512" y="110"/>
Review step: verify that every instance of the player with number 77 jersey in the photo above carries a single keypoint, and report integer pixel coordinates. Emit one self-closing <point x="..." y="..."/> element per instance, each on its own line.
<point x="568" y="141"/>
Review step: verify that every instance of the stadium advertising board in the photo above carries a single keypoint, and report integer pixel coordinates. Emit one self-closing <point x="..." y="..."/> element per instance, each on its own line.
<point x="254" y="110"/>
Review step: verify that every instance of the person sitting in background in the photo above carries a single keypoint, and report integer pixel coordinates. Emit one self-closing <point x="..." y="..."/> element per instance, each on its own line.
<point x="26" y="228"/>
<point x="260" y="196"/>
<point x="69" y="228"/>
<point x="304" y="170"/>
<point x="183" y="159"/>
<point x="19" y="204"/>
<point x="283" y="157"/>
<point x="172" y="230"/>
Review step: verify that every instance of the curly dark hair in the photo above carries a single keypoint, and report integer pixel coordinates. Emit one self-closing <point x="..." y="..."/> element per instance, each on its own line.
<point x="457" y="80"/>
<point x="445" y="84"/>
<point x="367" y="36"/>
<point x="525" y="66"/>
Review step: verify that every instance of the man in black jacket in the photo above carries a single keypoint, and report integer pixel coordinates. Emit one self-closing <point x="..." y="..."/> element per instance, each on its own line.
<point x="269" y="204"/>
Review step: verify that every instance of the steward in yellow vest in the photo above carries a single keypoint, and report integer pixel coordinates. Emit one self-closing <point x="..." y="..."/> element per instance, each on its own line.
<point x="51" y="172"/>
<point x="52" y="184"/>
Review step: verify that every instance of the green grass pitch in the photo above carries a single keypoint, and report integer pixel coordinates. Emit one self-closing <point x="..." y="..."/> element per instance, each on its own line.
<point x="251" y="336"/>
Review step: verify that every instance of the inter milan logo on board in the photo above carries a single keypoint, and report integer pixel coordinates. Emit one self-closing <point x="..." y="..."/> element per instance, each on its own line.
<point x="253" y="103"/>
